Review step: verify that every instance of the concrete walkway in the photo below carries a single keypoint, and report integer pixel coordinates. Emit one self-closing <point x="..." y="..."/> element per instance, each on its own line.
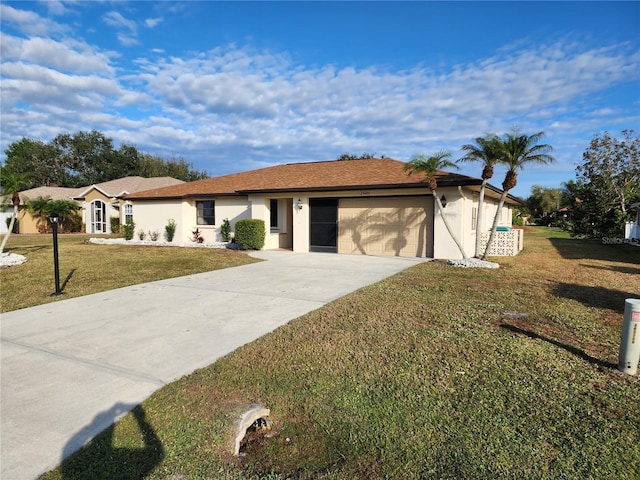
<point x="72" y="367"/>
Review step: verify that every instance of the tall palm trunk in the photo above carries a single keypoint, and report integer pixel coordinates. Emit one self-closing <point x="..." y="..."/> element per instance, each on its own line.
<point x="480" y="219"/>
<point x="494" y="227"/>
<point x="446" y="224"/>
<point x="15" y="199"/>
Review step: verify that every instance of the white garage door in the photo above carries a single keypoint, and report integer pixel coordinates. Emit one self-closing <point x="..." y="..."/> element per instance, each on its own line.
<point x="397" y="226"/>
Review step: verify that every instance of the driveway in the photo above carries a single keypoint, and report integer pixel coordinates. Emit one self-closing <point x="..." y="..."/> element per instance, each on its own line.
<point x="66" y="363"/>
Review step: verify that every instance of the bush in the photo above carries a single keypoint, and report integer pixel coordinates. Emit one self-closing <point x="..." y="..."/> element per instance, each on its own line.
<point x="142" y="235"/>
<point x="170" y="230"/>
<point x="16" y="228"/>
<point x="154" y="235"/>
<point x="128" y="230"/>
<point x="225" y="230"/>
<point x="115" y="224"/>
<point x="250" y="234"/>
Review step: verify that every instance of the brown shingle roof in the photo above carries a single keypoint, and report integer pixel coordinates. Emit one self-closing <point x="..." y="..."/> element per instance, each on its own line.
<point x="330" y="175"/>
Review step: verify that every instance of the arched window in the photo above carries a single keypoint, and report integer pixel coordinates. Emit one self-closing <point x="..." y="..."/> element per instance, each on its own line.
<point x="98" y="217"/>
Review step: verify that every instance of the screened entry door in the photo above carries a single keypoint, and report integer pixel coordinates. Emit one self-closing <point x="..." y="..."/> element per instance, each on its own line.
<point x="324" y="224"/>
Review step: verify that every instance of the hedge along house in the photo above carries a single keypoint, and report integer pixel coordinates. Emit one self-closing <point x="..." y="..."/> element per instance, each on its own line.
<point x="99" y="203"/>
<point x="369" y="206"/>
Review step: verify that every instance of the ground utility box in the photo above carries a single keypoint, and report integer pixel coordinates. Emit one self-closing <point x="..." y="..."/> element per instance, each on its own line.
<point x="630" y="338"/>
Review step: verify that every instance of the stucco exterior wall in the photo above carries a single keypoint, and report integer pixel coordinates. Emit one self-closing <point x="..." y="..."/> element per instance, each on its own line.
<point x="154" y="216"/>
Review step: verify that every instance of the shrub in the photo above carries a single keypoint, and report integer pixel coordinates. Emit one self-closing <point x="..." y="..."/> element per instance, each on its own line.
<point x="250" y="234"/>
<point x="154" y="235"/>
<point x="170" y="230"/>
<point x="225" y="230"/>
<point x="142" y="235"/>
<point x="115" y="224"/>
<point x="128" y="229"/>
<point x="197" y="236"/>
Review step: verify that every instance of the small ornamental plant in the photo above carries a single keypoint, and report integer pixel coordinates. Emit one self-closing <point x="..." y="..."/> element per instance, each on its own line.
<point x="197" y="236"/>
<point x="142" y="235"/>
<point x="170" y="230"/>
<point x="225" y="230"/>
<point x="128" y="229"/>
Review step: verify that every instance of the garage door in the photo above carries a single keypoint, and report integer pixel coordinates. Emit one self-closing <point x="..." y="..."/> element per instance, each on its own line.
<point x="397" y="226"/>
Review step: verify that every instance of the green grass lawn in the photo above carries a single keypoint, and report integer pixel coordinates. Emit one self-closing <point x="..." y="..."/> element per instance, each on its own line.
<point x="86" y="268"/>
<point x="437" y="372"/>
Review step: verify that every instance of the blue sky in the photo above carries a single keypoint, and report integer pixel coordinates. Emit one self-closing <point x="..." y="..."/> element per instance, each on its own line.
<point x="232" y="86"/>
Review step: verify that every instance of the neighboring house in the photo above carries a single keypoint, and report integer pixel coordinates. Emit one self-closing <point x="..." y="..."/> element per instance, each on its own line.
<point x="632" y="229"/>
<point x="368" y="206"/>
<point x="99" y="202"/>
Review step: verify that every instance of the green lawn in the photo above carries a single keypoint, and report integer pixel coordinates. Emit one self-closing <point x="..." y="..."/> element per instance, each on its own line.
<point x="437" y="372"/>
<point x="86" y="268"/>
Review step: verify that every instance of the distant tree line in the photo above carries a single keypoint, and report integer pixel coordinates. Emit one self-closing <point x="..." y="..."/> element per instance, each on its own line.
<point x="86" y="158"/>
<point x="596" y="203"/>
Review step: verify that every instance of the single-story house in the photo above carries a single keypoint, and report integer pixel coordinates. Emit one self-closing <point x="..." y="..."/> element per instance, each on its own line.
<point x="99" y="202"/>
<point x="369" y="206"/>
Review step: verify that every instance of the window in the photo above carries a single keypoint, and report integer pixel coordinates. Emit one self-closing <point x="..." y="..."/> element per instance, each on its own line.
<point x="128" y="213"/>
<point x="474" y="218"/>
<point x="273" y="206"/>
<point x="206" y="212"/>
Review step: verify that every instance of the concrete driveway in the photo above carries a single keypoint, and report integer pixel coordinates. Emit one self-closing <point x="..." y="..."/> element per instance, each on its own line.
<point x="72" y="367"/>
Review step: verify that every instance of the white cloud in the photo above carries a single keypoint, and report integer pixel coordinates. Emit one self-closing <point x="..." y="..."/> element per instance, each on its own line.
<point x="128" y="34"/>
<point x="69" y="55"/>
<point x="29" y="22"/>
<point x="153" y="22"/>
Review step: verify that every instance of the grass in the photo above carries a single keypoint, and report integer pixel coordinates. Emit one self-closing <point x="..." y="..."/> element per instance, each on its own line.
<point x="86" y="268"/>
<point x="437" y="372"/>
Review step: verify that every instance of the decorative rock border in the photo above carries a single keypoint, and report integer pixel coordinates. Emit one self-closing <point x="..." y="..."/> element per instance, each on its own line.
<point x="159" y="243"/>
<point x="11" y="259"/>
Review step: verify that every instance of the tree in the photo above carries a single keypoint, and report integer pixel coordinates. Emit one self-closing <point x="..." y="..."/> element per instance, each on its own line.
<point x="429" y="166"/>
<point x="11" y="183"/>
<point x="36" y="162"/>
<point x="610" y="173"/>
<point x="41" y="209"/>
<point x="487" y="151"/>
<point x="364" y="156"/>
<point x="86" y="158"/>
<point x="152" y="166"/>
<point x="544" y="200"/>
<point x="516" y="151"/>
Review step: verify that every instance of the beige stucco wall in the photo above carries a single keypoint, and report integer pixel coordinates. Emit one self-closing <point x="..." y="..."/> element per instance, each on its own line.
<point x="154" y="215"/>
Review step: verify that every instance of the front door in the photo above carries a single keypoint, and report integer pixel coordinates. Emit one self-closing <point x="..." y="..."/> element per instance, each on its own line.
<point x="323" y="224"/>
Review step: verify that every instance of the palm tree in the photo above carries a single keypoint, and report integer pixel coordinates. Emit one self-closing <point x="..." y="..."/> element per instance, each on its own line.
<point x="41" y="208"/>
<point x="429" y="166"/>
<point x="518" y="150"/>
<point x="11" y="183"/>
<point x="487" y="151"/>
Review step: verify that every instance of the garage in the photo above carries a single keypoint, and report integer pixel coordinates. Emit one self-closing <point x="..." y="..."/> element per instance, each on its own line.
<point x="398" y="226"/>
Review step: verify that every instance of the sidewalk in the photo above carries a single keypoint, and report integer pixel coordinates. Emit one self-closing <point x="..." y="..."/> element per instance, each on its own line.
<point x="66" y="362"/>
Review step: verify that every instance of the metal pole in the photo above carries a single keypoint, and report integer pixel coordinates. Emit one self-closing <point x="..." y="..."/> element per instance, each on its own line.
<point x="56" y="267"/>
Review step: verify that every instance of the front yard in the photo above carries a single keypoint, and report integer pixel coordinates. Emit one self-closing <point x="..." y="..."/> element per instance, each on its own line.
<point x="437" y="372"/>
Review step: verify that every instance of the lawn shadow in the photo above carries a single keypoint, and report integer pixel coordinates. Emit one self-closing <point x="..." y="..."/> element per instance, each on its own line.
<point x="66" y="280"/>
<point x="598" y="297"/>
<point x="569" y="348"/>
<point x="90" y="454"/>
<point x="615" y="268"/>
<point x="577" y="248"/>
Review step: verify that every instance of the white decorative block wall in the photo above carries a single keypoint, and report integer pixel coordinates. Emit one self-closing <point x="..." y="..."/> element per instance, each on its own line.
<point x="505" y="244"/>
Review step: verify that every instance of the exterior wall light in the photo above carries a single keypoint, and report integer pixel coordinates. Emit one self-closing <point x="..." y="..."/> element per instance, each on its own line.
<point x="443" y="201"/>
<point x="299" y="204"/>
